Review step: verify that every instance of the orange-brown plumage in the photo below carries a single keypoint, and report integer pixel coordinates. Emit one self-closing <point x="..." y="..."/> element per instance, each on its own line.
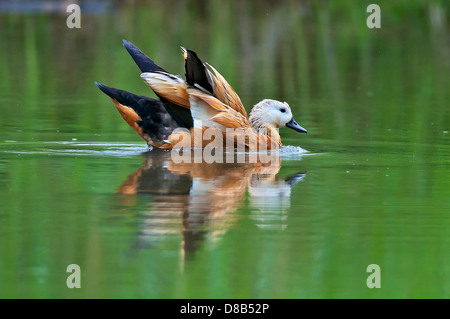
<point x="209" y="102"/>
<point x="170" y="88"/>
<point x="225" y="93"/>
<point x="130" y="116"/>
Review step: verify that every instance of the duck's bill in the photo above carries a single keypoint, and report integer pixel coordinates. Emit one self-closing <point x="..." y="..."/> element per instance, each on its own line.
<point x="294" y="125"/>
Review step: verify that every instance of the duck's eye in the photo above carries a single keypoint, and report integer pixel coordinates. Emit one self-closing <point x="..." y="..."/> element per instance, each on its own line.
<point x="283" y="110"/>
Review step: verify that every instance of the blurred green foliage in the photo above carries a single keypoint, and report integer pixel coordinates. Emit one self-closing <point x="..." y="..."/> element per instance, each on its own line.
<point x="375" y="103"/>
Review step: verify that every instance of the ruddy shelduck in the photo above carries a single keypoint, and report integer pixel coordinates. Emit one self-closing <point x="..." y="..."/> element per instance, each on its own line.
<point x="203" y="101"/>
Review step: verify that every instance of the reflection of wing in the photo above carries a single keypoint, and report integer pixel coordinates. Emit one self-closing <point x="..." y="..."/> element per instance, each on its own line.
<point x="152" y="178"/>
<point x="270" y="198"/>
<point x="217" y="191"/>
<point x="198" y="200"/>
<point x="217" y="188"/>
<point x="168" y="204"/>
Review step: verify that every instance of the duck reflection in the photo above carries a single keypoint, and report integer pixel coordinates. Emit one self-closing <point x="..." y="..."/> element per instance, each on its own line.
<point x="200" y="200"/>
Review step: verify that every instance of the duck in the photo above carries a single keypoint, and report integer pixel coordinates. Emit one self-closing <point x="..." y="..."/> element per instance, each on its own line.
<point x="203" y="101"/>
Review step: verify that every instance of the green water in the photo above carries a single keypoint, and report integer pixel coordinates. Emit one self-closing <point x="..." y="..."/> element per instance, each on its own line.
<point x="78" y="186"/>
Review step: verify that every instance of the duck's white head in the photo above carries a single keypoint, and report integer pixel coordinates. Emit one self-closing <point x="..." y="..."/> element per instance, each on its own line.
<point x="273" y="114"/>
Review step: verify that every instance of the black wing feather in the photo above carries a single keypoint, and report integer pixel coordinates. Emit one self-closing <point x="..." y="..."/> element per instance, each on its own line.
<point x="180" y="114"/>
<point x="196" y="72"/>
<point x="144" y="63"/>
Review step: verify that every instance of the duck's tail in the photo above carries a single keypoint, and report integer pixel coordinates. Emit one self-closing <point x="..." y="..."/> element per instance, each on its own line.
<point x="145" y="115"/>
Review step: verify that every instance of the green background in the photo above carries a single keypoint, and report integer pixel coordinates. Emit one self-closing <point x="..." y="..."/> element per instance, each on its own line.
<point x="376" y="190"/>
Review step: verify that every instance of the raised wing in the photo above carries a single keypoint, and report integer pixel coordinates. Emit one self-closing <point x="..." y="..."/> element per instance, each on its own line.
<point x="225" y="93"/>
<point x="181" y="115"/>
<point x="206" y="93"/>
<point x="196" y="72"/>
<point x="221" y="113"/>
<point x="198" y="75"/>
<point x="168" y="86"/>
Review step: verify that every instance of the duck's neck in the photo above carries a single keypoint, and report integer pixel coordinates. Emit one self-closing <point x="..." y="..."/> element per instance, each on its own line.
<point x="274" y="135"/>
<point x="262" y="130"/>
<point x="270" y="136"/>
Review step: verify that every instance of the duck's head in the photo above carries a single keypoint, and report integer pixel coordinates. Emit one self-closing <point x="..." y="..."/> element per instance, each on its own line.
<point x="273" y="114"/>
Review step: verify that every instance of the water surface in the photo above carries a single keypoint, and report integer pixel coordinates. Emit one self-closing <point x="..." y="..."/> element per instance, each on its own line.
<point x="77" y="185"/>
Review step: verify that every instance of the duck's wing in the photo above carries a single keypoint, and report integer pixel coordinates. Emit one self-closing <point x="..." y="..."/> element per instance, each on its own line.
<point x="209" y="97"/>
<point x="198" y="75"/>
<point x="181" y="115"/>
<point x="225" y="93"/>
<point x="145" y="115"/>
<point x="168" y="87"/>
<point x="203" y="106"/>
<point x="209" y="109"/>
<point x="144" y="63"/>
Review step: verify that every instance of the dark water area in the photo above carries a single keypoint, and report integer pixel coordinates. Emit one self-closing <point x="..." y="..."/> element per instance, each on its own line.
<point x="368" y="184"/>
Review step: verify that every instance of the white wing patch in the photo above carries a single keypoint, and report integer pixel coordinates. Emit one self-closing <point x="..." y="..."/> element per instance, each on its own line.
<point x="202" y="113"/>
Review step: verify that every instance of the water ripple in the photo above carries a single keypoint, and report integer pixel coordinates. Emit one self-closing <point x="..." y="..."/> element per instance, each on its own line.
<point x="74" y="148"/>
<point x="78" y="149"/>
